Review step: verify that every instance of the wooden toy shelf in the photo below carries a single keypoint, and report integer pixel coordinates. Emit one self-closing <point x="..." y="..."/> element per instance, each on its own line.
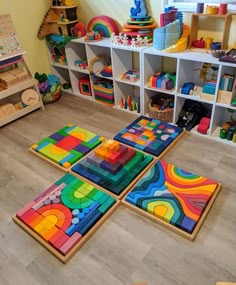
<point x="15" y="77"/>
<point x="186" y="65"/>
<point x="196" y="18"/>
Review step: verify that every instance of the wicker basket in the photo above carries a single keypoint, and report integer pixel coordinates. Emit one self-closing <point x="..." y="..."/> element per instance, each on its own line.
<point x="161" y="115"/>
<point x="51" y="97"/>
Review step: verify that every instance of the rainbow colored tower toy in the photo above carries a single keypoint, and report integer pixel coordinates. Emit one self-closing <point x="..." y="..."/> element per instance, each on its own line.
<point x="113" y="166"/>
<point x="140" y="24"/>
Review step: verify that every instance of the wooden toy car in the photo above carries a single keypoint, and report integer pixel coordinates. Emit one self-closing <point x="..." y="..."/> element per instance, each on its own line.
<point x="188" y="88"/>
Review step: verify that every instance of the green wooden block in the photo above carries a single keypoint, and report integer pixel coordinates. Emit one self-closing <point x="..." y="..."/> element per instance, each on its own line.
<point x="100" y="197"/>
<point x="49" y="140"/>
<point x="77" y="155"/>
<point x="67" y="179"/>
<point x="134" y="162"/>
<point x="107" y="205"/>
<point x="76" y="183"/>
<point x="91" y="145"/>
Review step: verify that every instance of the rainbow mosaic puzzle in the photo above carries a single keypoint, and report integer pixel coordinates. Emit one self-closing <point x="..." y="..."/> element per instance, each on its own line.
<point x="113" y="166"/>
<point x="171" y="194"/>
<point x="65" y="212"/>
<point x="149" y="135"/>
<point x="67" y="145"/>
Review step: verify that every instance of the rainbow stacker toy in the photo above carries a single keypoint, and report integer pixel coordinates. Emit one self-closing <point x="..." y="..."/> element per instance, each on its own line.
<point x="150" y="135"/>
<point x="113" y="166"/>
<point x="174" y="198"/>
<point x="140" y="23"/>
<point x="66" y="146"/>
<point x="65" y="215"/>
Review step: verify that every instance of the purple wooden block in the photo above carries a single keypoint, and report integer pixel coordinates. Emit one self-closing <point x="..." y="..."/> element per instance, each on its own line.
<point x="112" y="168"/>
<point x="82" y="149"/>
<point x="57" y="137"/>
<point x="188" y="224"/>
<point x="169" y="84"/>
<point x="93" y="159"/>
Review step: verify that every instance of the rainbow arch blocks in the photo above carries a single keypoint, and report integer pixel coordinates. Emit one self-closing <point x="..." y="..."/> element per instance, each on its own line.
<point x="65" y="215"/>
<point x="66" y="146"/>
<point x="150" y="135"/>
<point x="113" y="166"/>
<point x="173" y="197"/>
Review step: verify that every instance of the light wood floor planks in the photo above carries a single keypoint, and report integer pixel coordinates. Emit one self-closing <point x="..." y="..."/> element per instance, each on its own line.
<point x="128" y="248"/>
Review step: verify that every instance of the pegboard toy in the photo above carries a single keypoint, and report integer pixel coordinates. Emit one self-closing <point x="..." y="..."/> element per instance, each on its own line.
<point x="66" y="146"/>
<point x="174" y="198"/>
<point x="105" y="25"/>
<point x="9" y="41"/>
<point x="150" y="135"/>
<point x="113" y="166"/>
<point x="65" y="215"/>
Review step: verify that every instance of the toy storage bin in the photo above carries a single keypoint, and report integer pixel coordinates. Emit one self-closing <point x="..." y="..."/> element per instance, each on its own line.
<point x="104" y="91"/>
<point x="155" y="112"/>
<point x="51" y="97"/>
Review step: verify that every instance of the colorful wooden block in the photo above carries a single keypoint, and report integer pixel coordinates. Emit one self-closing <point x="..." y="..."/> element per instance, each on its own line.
<point x="174" y="197"/>
<point x="150" y="135"/>
<point x="72" y="208"/>
<point x="118" y="168"/>
<point x="67" y="145"/>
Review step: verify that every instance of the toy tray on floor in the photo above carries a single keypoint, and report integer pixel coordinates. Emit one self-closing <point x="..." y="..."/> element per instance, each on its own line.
<point x="174" y="198"/>
<point x="114" y="167"/>
<point x="66" y="146"/>
<point x="150" y="135"/>
<point x="64" y="216"/>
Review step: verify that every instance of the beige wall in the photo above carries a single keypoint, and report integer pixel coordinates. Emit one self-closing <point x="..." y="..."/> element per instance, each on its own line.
<point x="28" y="16"/>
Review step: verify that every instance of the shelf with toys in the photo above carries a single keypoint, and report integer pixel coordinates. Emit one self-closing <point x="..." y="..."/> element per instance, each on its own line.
<point x="166" y="81"/>
<point x="19" y="94"/>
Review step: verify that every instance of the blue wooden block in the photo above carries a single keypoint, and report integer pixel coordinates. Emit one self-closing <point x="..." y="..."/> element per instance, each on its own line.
<point x="188" y="224"/>
<point x="91" y="222"/>
<point x="56" y="136"/>
<point x="82" y="149"/>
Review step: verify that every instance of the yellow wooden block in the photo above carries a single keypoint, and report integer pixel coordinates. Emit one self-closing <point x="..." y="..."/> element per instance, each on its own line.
<point x="50" y="233"/>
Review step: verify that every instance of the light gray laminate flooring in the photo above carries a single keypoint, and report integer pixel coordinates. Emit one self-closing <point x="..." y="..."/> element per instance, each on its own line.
<point x="128" y="248"/>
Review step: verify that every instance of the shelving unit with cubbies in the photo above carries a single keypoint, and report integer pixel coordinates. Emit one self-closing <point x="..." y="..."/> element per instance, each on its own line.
<point x="186" y="65"/>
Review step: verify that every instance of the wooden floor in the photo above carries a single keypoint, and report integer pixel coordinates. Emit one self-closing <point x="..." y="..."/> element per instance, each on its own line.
<point x="128" y="248"/>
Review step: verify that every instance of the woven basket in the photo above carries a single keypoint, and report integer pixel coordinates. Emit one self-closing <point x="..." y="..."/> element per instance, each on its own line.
<point x="161" y="115"/>
<point x="51" y="97"/>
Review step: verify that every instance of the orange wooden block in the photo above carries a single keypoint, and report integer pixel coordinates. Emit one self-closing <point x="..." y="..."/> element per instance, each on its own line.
<point x="50" y="233"/>
<point x="56" y="236"/>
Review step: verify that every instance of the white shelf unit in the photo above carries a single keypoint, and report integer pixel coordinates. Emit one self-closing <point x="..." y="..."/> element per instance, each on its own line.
<point x="148" y="60"/>
<point x="13" y="93"/>
<point x="188" y="66"/>
<point x="122" y="60"/>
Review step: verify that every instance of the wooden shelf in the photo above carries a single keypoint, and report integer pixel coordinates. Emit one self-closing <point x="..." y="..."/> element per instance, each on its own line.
<point x="16" y="88"/>
<point x="195" y="22"/>
<point x="19" y="114"/>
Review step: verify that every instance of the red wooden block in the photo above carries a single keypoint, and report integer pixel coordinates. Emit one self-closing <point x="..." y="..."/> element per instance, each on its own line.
<point x="25" y="209"/>
<point x="56" y="237"/>
<point x="59" y="243"/>
<point x="68" y="143"/>
<point x="29" y="216"/>
<point x="67" y="246"/>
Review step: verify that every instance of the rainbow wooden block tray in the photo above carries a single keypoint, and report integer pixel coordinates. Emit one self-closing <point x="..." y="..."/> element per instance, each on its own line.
<point x="64" y="216"/>
<point x="150" y="135"/>
<point x="113" y="166"/>
<point x="174" y="198"/>
<point x="66" y="146"/>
